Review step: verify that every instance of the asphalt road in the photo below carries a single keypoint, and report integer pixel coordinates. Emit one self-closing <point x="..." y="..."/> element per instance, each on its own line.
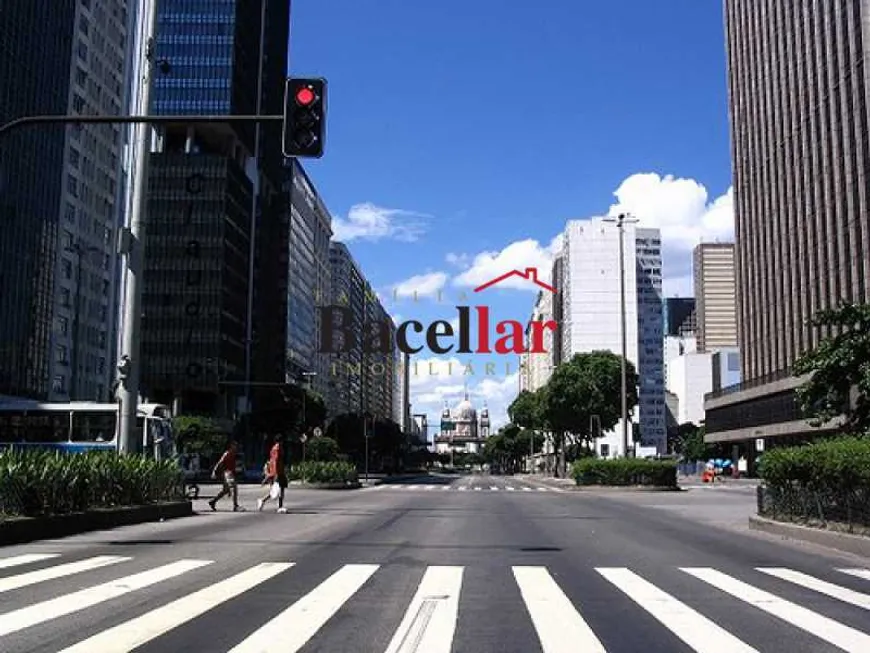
<point x="401" y="568"/>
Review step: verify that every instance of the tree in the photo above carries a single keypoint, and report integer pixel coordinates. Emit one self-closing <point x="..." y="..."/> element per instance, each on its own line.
<point x="588" y="385"/>
<point x="840" y="369"/>
<point x="199" y="435"/>
<point x="689" y="442"/>
<point x="322" y="449"/>
<point x="525" y="410"/>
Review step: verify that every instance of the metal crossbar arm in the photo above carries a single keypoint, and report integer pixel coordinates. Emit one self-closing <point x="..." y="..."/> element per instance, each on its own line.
<point x="26" y="121"/>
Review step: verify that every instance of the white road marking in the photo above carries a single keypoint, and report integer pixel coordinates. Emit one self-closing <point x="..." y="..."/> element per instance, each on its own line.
<point x="542" y="489"/>
<point x="822" y="627"/>
<point x="822" y="587"/>
<point x="463" y="488"/>
<point x="511" y="488"/>
<point x="693" y="628"/>
<point x="132" y="634"/>
<point x="39" y="613"/>
<point x="58" y="571"/>
<point x="26" y="559"/>
<point x="430" y="621"/>
<point x="858" y="573"/>
<point x="493" y="488"/>
<point x="560" y="627"/>
<point x="300" y="622"/>
<point x="527" y="489"/>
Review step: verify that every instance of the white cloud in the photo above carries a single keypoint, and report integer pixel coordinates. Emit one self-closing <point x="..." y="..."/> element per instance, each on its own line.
<point x="461" y="261"/>
<point x="435" y="381"/>
<point x="682" y="209"/>
<point x="369" y="222"/>
<point x="420" y="285"/>
<point x="518" y="255"/>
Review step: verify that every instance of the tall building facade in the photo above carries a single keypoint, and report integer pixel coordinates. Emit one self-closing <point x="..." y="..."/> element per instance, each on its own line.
<point x="715" y="296"/>
<point x="801" y="160"/>
<point x="679" y="316"/>
<point x="210" y="185"/>
<point x="536" y="369"/>
<point x="360" y="382"/>
<point x="592" y="314"/>
<point x="60" y="198"/>
<point x="309" y="285"/>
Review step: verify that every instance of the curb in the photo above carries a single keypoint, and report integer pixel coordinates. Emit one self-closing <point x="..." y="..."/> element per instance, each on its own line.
<point x="30" y="529"/>
<point x="846" y="542"/>
<point x="628" y="488"/>
<point x="324" y="486"/>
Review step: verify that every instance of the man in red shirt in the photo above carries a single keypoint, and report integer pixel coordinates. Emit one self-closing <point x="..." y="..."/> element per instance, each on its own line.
<point x="276" y="476"/>
<point x="227" y="463"/>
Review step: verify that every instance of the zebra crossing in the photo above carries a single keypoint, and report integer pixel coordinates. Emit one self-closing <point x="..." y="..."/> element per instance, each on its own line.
<point x="423" y="487"/>
<point x="434" y="610"/>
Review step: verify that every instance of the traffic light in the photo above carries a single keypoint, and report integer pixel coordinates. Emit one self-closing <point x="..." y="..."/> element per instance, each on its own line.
<point x="304" y="117"/>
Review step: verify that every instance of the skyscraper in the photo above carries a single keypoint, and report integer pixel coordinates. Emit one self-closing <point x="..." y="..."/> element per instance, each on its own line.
<point x="210" y="187"/>
<point x="592" y="316"/>
<point x="801" y="158"/>
<point x="716" y="303"/>
<point x="60" y="195"/>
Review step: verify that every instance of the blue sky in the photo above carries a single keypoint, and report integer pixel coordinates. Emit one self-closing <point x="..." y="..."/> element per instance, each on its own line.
<point x="458" y="130"/>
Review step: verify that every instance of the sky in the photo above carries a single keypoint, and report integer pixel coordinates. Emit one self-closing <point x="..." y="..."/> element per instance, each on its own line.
<point x="462" y="136"/>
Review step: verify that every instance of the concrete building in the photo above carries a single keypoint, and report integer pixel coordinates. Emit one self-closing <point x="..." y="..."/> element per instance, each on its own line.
<point x="715" y="296"/>
<point x="690" y="378"/>
<point x="310" y="275"/>
<point x="359" y="382"/>
<point x="591" y="313"/>
<point x="676" y="346"/>
<point x="537" y="369"/>
<point x="801" y="168"/>
<point x="61" y="198"/>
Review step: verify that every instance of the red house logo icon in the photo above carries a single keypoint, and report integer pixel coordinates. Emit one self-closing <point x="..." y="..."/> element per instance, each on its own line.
<point x="531" y="274"/>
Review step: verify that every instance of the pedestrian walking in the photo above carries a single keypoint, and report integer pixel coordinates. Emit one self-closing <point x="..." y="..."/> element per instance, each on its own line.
<point x="227" y="464"/>
<point x="275" y="477"/>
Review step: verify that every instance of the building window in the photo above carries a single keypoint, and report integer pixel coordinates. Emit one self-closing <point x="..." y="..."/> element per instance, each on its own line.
<point x="72" y="185"/>
<point x="74" y="157"/>
<point x="59" y="383"/>
<point x="62" y="325"/>
<point x="65" y="298"/>
<point x="67" y="268"/>
<point x="70" y="213"/>
<point x="62" y="357"/>
<point x="101" y="365"/>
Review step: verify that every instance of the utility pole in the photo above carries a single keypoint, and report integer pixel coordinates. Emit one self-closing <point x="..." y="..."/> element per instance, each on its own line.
<point x="128" y="390"/>
<point x="620" y="221"/>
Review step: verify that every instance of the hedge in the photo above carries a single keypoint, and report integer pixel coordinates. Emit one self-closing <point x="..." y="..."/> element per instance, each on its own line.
<point x="41" y="482"/>
<point x="624" y="472"/>
<point x="817" y="484"/>
<point x="324" y="472"/>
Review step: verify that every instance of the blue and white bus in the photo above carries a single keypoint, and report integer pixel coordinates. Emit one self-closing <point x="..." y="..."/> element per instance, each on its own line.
<point x="82" y="426"/>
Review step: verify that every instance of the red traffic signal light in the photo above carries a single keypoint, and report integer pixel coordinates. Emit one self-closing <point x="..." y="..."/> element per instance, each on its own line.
<point x="305" y="96"/>
<point x="304" y="117"/>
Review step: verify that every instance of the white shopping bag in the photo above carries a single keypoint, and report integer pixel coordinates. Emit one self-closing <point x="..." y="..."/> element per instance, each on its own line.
<point x="275" y="490"/>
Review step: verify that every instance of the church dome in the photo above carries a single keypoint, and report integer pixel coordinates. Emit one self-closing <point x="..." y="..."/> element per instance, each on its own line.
<point x="465" y="411"/>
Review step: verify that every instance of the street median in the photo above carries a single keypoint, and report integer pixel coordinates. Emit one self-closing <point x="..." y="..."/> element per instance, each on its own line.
<point x="625" y="474"/>
<point x="47" y="494"/>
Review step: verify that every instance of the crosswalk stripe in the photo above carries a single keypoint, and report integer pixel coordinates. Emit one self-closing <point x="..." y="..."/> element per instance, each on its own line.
<point x="130" y="635"/>
<point x="430" y="487"/>
<point x="511" y="488"/>
<point x="493" y="487"/>
<point x="478" y="489"/>
<point x="59" y="571"/>
<point x="560" y="627"/>
<point x="527" y="489"/>
<point x="430" y="621"/>
<point x="693" y="628"/>
<point x="301" y="621"/>
<point x="858" y="573"/>
<point x="447" y="487"/>
<point x="38" y="613"/>
<point x="26" y="559"/>
<point x="463" y="488"/>
<point x="829" y="589"/>
<point x="542" y="489"/>
<point x="822" y="627"/>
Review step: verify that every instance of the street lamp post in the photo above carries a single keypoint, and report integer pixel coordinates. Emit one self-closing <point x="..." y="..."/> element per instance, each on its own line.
<point x="307" y="376"/>
<point x="134" y="247"/>
<point x="620" y="221"/>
